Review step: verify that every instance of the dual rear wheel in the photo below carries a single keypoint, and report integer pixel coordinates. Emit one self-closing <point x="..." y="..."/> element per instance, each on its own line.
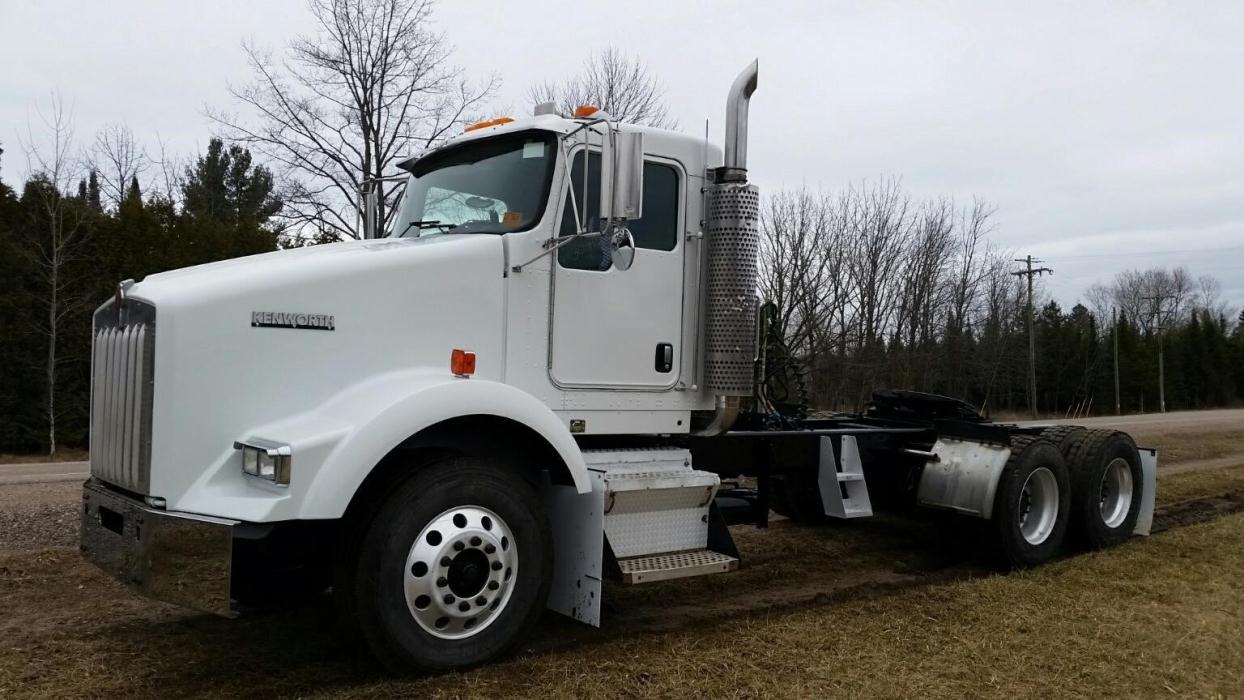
<point x="1067" y="482"/>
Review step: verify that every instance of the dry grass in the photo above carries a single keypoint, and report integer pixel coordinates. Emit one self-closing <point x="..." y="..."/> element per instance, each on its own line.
<point x="63" y="454"/>
<point x="1153" y="617"/>
<point x="1176" y="446"/>
<point x="877" y="609"/>
<point x="1198" y="484"/>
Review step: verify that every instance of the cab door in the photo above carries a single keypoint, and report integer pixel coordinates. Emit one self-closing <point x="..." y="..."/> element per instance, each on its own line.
<point x="620" y="329"/>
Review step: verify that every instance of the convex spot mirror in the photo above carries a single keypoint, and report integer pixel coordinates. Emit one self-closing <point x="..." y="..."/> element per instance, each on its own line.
<point x="621" y="246"/>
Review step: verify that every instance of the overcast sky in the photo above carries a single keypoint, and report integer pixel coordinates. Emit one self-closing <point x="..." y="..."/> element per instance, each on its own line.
<point x="1109" y="136"/>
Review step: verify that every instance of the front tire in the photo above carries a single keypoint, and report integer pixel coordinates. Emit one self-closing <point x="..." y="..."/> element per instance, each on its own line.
<point x="1033" y="501"/>
<point x="454" y="570"/>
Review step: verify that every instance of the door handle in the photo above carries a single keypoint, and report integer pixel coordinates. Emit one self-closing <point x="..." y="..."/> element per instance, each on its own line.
<point x="664" y="360"/>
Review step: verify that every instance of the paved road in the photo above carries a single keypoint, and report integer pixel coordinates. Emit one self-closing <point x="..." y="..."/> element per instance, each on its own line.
<point x="1221" y="419"/>
<point x="1224" y="419"/>
<point x="42" y="472"/>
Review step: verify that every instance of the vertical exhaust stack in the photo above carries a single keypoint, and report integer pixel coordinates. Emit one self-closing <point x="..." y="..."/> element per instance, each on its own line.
<point x="737" y="105"/>
<point x="731" y="227"/>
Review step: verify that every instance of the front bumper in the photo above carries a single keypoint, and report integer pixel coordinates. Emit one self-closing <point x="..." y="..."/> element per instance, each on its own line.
<point x="174" y="557"/>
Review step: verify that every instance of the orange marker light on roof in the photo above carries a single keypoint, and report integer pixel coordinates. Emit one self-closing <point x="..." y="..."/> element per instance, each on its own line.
<point x="585" y="111"/>
<point x="462" y="363"/>
<point x="488" y="122"/>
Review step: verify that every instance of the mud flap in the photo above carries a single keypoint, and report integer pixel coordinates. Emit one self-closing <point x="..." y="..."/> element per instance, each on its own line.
<point x="1148" y="490"/>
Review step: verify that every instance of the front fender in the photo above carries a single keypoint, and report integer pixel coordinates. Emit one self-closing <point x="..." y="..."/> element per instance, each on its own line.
<point x="384" y="418"/>
<point x="336" y="445"/>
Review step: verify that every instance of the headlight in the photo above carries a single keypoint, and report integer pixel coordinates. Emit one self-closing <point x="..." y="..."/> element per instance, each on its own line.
<point x="265" y="459"/>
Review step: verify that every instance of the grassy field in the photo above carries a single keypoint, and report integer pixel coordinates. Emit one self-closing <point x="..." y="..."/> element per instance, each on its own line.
<point x="888" y="607"/>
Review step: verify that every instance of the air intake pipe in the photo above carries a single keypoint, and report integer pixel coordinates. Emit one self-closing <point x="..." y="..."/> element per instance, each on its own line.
<point x="731" y="230"/>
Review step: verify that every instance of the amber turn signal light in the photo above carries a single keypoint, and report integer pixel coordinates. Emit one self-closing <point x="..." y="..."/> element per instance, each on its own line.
<point x="462" y="363"/>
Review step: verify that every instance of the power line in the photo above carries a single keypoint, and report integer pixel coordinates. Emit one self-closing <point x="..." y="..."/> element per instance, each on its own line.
<point x="1031" y="272"/>
<point x="1136" y="254"/>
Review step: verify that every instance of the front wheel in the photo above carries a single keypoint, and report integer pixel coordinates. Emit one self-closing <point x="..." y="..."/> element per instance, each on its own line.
<point x="1032" y="505"/>
<point x="454" y="569"/>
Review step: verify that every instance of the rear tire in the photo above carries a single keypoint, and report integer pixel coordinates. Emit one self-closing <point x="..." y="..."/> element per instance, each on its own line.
<point x="1106" y="488"/>
<point x="1064" y="437"/>
<point x="454" y="570"/>
<point x="1033" y="501"/>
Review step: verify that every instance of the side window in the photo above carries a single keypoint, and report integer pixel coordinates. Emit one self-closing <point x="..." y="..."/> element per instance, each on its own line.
<point x="657" y="230"/>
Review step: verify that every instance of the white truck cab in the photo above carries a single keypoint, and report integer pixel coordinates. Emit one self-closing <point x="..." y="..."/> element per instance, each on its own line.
<point x="497" y="405"/>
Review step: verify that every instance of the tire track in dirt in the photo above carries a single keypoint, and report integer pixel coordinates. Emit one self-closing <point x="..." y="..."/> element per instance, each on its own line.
<point x="1196" y="510"/>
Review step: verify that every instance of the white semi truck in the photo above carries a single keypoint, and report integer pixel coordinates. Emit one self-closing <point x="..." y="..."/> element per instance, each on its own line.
<point x="535" y="381"/>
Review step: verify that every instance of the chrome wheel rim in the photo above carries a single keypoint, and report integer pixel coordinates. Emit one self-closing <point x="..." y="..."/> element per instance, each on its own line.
<point x="460" y="572"/>
<point x="1115" y="496"/>
<point x="1038" y="506"/>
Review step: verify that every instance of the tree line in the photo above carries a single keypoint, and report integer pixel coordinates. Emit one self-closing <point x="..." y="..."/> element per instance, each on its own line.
<point x="872" y="288"/>
<point x="74" y="230"/>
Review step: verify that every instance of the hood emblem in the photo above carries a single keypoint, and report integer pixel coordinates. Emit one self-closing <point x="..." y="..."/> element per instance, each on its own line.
<point x="289" y="319"/>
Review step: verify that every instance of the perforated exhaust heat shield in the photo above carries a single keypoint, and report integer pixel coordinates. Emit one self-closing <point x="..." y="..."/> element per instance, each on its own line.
<point x="732" y="229"/>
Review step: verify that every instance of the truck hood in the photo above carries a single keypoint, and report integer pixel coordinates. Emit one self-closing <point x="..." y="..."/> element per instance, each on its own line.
<point x="309" y="263"/>
<point x="244" y="343"/>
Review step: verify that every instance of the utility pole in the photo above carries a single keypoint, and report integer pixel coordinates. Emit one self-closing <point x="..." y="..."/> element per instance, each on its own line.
<point x="1159" y="325"/>
<point x="1114" y="325"/>
<point x="1031" y="272"/>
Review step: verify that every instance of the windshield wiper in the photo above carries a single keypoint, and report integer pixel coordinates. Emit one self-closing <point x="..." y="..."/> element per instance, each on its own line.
<point x="422" y="225"/>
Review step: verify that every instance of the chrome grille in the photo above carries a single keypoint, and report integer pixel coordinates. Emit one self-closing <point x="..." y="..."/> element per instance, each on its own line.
<point x="122" y="371"/>
<point x="731" y="226"/>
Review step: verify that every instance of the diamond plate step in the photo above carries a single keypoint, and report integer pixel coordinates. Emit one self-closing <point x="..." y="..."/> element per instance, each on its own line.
<point x="663" y="567"/>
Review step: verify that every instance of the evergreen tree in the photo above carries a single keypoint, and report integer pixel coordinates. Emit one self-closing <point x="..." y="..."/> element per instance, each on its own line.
<point x="133" y="195"/>
<point x="224" y="186"/>
<point x="92" y="192"/>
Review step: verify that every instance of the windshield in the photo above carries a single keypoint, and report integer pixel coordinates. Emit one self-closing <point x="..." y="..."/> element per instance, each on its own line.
<point x="495" y="185"/>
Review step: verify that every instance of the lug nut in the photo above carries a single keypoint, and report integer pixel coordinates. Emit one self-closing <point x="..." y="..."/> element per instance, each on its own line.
<point x="490" y="548"/>
<point x="496" y="566"/>
<point x="464" y="606"/>
<point x="449" y="598"/>
<point x="442" y="582"/>
<point x="481" y="601"/>
<point x="475" y="541"/>
<point x="458" y="546"/>
<point x="446" y="561"/>
<point x="493" y="585"/>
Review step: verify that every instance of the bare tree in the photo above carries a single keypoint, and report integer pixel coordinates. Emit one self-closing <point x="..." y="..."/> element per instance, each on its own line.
<point x="172" y="168"/>
<point x="1133" y="292"/>
<point x="372" y="85"/>
<point x="614" y="82"/>
<point x="57" y="240"/>
<point x="117" y="158"/>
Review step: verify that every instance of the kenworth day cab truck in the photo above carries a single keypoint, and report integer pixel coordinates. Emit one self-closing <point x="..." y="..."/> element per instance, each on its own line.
<point x="534" y="382"/>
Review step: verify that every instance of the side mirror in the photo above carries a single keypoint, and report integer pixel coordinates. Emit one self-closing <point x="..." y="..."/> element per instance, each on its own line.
<point x="621" y="246"/>
<point x="622" y="176"/>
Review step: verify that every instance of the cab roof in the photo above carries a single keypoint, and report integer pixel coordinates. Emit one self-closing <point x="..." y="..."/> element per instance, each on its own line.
<point x="556" y="124"/>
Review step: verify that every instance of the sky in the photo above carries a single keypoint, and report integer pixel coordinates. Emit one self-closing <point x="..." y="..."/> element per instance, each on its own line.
<point x="1109" y="136"/>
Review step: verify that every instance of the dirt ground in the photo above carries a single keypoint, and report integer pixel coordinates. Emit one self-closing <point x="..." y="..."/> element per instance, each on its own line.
<point x="890" y="606"/>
